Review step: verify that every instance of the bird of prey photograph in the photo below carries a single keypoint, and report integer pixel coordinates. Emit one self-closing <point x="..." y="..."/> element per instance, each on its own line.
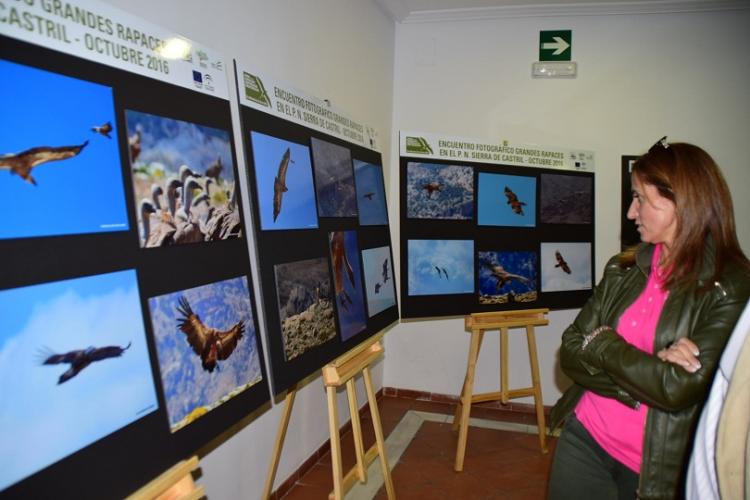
<point x="565" y="266"/>
<point x="566" y="199"/>
<point x="347" y="283"/>
<point x="438" y="191"/>
<point x="507" y="276"/>
<point x="185" y="171"/>
<point x="429" y="262"/>
<point x="80" y="368"/>
<point x="506" y="200"/>
<point x="334" y="179"/>
<point x="64" y="178"/>
<point x="81" y="358"/>
<point x="206" y="347"/>
<point x="371" y="205"/>
<point x="283" y="183"/>
<point x="104" y="130"/>
<point x="381" y="292"/>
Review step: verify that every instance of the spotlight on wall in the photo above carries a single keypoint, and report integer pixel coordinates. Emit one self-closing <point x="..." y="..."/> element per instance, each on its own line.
<point x="557" y="69"/>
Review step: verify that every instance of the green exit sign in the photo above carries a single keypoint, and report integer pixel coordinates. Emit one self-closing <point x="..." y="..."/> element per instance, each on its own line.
<point x="555" y="45"/>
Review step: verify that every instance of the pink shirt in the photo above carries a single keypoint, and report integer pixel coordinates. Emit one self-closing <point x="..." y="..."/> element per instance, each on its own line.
<point x="617" y="427"/>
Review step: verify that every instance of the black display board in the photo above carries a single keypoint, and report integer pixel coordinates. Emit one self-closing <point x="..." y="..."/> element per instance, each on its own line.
<point x="304" y="256"/>
<point x="45" y="258"/>
<point x="628" y="232"/>
<point x="482" y="237"/>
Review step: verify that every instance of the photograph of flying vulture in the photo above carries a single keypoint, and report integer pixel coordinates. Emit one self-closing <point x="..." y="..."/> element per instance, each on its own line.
<point x="440" y="267"/>
<point x="507" y="276"/>
<point x="206" y="345"/>
<point x="52" y="161"/>
<point x="183" y="178"/>
<point x="379" y="286"/>
<point x="506" y="200"/>
<point x="284" y="183"/>
<point x="80" y="368"/>
<point x="436" y="191"/>
<point x="371" y="201"/>
<point x="566" y="199"/>
<point x="566" y="266"/>
<point x="304" y="294"/>
<point x="347" y="283"/>
<point x="334" y="179"/>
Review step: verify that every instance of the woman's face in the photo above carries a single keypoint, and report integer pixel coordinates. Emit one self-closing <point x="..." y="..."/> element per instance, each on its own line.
<point x="654" y="215"/>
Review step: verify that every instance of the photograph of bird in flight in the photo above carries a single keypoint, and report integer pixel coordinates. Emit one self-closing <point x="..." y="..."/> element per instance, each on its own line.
<point x="438" y="191"/>
<point x="284" y="183"/>
<point x="506" y="200"/>
<point x="507" y="276"/>
<point x="59" y="164"/>
<point x="371" y="202"/>
<point x="566" y="266"/>
<point x="206" y="345"/>
<point x="80" y="368"/>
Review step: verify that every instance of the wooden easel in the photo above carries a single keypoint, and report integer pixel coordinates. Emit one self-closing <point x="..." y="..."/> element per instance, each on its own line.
<point x="341" y="372"/>
<point x="478" y="323"/>
<point x="176" y="483"/>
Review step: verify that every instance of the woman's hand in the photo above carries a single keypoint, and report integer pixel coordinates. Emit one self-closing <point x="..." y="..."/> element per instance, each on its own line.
<point x="683" y="352"/>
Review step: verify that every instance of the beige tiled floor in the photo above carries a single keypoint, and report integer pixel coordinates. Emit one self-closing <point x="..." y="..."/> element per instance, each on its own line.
<point x="499" y="464"/>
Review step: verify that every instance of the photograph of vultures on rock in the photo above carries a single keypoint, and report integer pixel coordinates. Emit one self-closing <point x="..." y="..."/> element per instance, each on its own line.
<point x="303" y="291"/>
<point x="183" y="178"/>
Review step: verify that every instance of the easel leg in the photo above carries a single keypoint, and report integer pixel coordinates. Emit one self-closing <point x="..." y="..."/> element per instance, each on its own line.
<point x="476" y="340"/>
<point x="378" y="428"/>
<point x="333" y="427"/>
<point x="279" y="445"/>
<point x="530" y="337"/>
<point x="460" y="404"/>
<point x="504" y="365"/>
<point x="351" y="392"/>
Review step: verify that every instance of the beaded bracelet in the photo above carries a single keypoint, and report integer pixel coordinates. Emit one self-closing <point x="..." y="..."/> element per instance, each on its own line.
<point x="591" y="336"/>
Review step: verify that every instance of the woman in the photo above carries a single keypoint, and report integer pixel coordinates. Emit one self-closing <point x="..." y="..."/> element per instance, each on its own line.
<point x="643" y="349"/>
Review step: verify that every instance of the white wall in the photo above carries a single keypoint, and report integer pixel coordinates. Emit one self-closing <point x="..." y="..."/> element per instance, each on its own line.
<point x="341" y="51"/>
<point x="639" y="77"/>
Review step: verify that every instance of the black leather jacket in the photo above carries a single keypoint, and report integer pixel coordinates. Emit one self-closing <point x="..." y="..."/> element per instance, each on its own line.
<point x="611" y="367"/>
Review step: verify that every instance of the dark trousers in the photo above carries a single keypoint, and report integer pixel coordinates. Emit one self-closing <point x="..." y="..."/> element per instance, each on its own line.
<point x="581" y="469"/>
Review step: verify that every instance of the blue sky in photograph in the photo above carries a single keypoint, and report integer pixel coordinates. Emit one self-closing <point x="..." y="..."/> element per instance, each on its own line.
<point x="82" y="194"/>
<point x="372" y="260"/>
<point x="370" y="194"/>
<point x="455" y="257"/>
<point x="298" y="208"/>
<point x="522" y="263"/>
<point x="44" y="421"/>
<point x="492" y="203"/>
<point x="578" y="258"/>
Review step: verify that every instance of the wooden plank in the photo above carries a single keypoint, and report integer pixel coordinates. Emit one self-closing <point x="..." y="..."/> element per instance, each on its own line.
<point x="176" y="482"/>
<point x="279" y="444"/>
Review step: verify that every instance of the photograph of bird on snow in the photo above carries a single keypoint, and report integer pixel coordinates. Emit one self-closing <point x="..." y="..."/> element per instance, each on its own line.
<point x="334" y="179"/>
<point x="303" y="290"/>
<point x="205" y="341"/>
<point x="347" y="283"/>
<point x="74" y="368"/>
<point x="566" y="266"/>
<point x="507" y="277"/>
<point x="436" y="191"/>
<point x="59" y="158"/>
<point x="506" y="200"/>
<point x="283" y="173"/>
<point x="381" y="292"/>
<point x="566" y="199"/>
<point x="183" y="178"/>
<point x="440" y="267"/>
<point x="370" y="194"/>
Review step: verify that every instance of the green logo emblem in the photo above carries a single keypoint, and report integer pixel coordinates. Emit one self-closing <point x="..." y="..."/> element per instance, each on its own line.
<point x="254" y="90"/>
<point x="418" y="145"/>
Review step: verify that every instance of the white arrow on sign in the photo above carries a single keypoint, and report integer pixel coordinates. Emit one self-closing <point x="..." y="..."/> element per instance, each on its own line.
<point x="559" y="45"/>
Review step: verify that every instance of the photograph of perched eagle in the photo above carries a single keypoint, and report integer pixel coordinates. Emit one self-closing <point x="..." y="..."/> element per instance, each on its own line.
<point x="385" y="271"/>
<point x="210" y="344"/>
<point x="279" y="183"/>
<point x="82" y="358"/>
<point x="514" y="202"/>
<point x="103" y="130"/>
<point x="561" y="262"/>
<point x="22" y="163"/>
<point x="502" y="276"/>
<point x="340" y="264"/>
<point x="432" y="187"/>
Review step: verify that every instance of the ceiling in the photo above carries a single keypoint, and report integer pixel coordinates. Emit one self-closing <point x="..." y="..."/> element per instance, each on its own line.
<point x="414" y="11"/>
